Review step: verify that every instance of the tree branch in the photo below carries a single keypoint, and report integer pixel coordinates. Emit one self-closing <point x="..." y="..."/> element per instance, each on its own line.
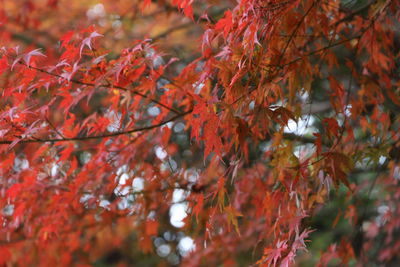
<point x="106" y="86"/>
<point x="295" y="31"/>
<point x="353" y="14"/>
<point x="85" y="138"/>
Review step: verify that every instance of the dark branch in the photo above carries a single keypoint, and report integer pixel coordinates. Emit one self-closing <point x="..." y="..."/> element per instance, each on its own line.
<point x="85" y="138"/>
<point x="106" y="86"/>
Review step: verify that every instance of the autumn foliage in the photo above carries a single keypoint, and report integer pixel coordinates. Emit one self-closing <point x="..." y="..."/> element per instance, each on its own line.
<point x="266" y="122"/>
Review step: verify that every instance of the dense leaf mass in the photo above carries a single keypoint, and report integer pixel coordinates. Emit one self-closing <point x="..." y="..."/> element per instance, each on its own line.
<point x="199" y="132"/>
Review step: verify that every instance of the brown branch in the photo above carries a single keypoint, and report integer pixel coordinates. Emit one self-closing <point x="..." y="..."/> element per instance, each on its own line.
<point x="171" y="30"/>
<point x="299" y="138"/>
<point x="109" y="87"/>
<point x="266" y="67"/>
<point x="85" y="138"/>
<point x="54" y="128"/>
<point x="295" y="31"/>
<point x="315" y="52"/>
<point x="355" y="13"/>
<point x="197" y="18"/>
<point x="348" y="17"/>
<point x="105" y="86"/>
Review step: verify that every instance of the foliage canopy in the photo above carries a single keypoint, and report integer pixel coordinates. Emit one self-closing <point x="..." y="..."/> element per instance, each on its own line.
<point x="265" y="123"/>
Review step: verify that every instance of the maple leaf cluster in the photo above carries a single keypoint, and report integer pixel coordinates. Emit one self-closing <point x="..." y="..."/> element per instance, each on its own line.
<point x="205" y="132"/>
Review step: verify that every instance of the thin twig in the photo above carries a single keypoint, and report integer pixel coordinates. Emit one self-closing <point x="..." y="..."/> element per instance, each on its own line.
<point x="105" y="86"/>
